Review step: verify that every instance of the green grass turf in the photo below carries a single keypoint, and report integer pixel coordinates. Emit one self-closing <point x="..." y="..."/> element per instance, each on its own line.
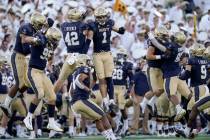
<point x="127" y="138"/>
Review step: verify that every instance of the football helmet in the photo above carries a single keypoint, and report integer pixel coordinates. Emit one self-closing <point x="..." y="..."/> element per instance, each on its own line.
<point x="74" y="14"/>
<point x="101" y="15"/>
<point x="161" y="33"/>
<point x="38" y="20"/>
<point x="53" y="34"/>
<point x="197" y="49"/>
<point x="82" y="60"/>
<point x="180" y="38"/>
<point x="121" y="56"/>
<point x="207" y="52"/>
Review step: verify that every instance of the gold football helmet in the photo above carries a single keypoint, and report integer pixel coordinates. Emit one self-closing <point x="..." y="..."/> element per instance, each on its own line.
<point x="197" y="49"/>
<point x="101" y="15"/>
<point x="180" y="38"/>
<point x="207" y="52"/>
<point x="82" y="60"/>
<point x="123" y="52"/>
<point x="38" y="20"/>
<point x="53" y="34"/>
<point x="74" y="14"/>
<point x="161" y="33"/>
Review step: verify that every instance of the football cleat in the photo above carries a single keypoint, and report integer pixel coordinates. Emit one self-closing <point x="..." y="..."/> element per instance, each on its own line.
<point x="53" y="126"/>
<point x="180" y="114"/>
<point x="32" y="135"/>
<point x="7" y="111"/>
<point x="28" y="123"/>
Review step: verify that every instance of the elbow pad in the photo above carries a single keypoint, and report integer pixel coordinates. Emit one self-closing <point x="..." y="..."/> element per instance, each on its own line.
<point x="185" y="75"/>
<point x="121" y="30"/>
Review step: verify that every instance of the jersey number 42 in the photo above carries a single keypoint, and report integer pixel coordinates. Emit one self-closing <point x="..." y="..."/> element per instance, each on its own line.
<point x="71" y="38"/>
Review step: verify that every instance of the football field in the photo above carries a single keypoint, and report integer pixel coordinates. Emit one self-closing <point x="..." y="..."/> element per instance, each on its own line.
<point x="204" y="137"/>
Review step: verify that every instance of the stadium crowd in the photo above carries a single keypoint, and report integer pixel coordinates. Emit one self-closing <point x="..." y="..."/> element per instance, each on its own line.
<point x="192" y="17"/>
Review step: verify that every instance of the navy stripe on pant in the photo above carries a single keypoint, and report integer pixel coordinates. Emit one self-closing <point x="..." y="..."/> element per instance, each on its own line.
<point x="14" y="68"/>
<point x="148" y="79"/>
<point x="92" y="106"/>
<point x="167" y="86"/>
<point x="32" y="82"/>
<point x="197" y="92"/>
<point x="203" y="101"/>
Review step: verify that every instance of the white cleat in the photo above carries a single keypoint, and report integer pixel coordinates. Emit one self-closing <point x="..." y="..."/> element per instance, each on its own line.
<point x="28" y="123"/>
<point x="180" y="114"/>
<point x="39" y="133"/>
<point x="53" y="126"/>
<point x="32" y="135"/>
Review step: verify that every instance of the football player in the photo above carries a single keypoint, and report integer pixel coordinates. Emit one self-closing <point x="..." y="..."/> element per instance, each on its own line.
<point x="100" y="31"/>
<point x="24" y="39"/>
<point x="171" y="70"/>
<point x="154" y="71"/>
<point x="38" y="80"/>
<point x="121" y="73"/>
<point x="74" y="32"/>
<point x="196" y="70"/>
<point x="82" y="104"/>
<point x="7" y="81"/>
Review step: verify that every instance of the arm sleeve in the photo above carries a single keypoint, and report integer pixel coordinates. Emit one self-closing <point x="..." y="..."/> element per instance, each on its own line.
<point x="158" y="45"/>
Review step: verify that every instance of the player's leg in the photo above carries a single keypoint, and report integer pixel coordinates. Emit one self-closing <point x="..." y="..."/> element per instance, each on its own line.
<point x="108" y="69"/>
<point x="66" y="70"/>
<point x="18" y="105"/>
<point x="183" y="89"/>
<point x="170" y="87"/>
<point x="135" y="118"/>
<point x="99" y="67"/>
<point x="19" y="67"/>
<point x="90" y="110"/>
<point x="35" y="78"/>
<point x="200" y="105"/>
<point x="51" y="98"/>
<point x="121" y="104"/>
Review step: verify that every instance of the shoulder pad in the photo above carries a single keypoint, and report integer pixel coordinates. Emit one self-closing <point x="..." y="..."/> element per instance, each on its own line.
<point x="191" y="61"/>
<point x="92" y="26"/>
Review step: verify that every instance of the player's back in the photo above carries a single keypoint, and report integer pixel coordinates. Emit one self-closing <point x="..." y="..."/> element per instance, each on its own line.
<point x="199" y="73"/>
<point x="74" y="37"/>
<point x="25" y="29"/>
<point x="79" y="93"/>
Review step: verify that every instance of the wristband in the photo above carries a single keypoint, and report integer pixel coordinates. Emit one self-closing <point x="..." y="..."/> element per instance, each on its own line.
<point x="157" y="57"/>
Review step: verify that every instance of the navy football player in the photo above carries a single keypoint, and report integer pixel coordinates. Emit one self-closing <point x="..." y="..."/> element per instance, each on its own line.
<point x="100" y="32"/>
<point x="155" y="74"/>
<point x="81" y="102"/>
<point x="38" y="80"/>
<point x="122" y="71"/>
<point x="196" y="70"/>
<point x="171" y="69"/>
<point x="74" y="32"/>
<point x="24" y="39"/>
